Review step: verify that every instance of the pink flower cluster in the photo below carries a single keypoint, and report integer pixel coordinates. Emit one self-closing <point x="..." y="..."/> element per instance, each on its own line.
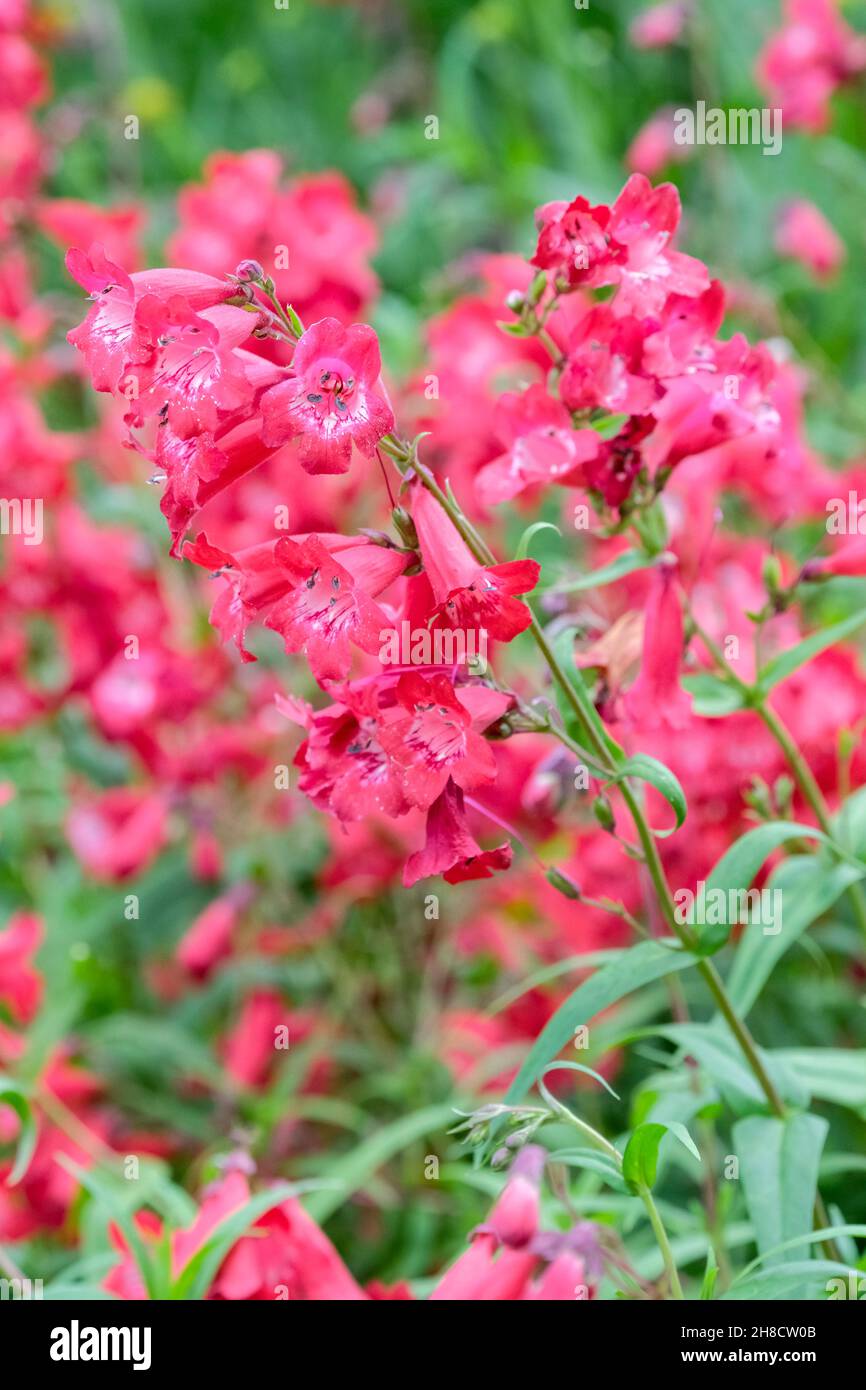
<point x="808" y="59"/>
<point x="215" y="384"/>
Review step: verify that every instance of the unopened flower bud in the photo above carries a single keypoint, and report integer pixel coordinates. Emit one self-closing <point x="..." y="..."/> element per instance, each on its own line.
<point x="603" y="812"/>
<point x="406" y="527"/>
<point x="772" y="574"/>
<point x="376" y="537"/>
<point x="566" y="886"/>
<point x="249" y="270"/>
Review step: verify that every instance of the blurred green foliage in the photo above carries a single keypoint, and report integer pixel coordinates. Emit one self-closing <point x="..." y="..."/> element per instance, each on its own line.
<point x="533" y="101"/>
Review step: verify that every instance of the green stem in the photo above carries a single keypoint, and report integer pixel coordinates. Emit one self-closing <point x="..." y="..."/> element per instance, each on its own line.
<point x="812" y="794"/>
<point x="597" y="1140"/>
<point x="803" y="775"/>
<point x="485" y="556"/>
<point x="652" y="860"/>
<point x="664" y="1244"/>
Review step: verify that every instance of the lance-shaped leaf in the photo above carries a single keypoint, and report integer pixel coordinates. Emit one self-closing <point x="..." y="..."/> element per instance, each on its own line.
<point x="791" y="660"/>
<point x="649" y="960"/>
<point x="779" y="1173"/>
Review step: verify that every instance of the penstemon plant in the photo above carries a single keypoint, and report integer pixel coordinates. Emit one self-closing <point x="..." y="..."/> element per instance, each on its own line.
<point x="640" y="416"/>
<point x="473" y="908"/>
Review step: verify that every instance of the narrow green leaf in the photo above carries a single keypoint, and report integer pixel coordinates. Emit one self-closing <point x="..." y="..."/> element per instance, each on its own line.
<point x="594" y="1162"/>
<point x="12" y="1095"/>
<point x="680" y="1132"/>
<point x="711" y="1274"/>
<point x="717" y="1051"/>
<point x="811" y="1237"/>
<point x="103" y="1191"/>
<point x="736" y="869"/>
<point x="589" y="715"/>
<point x="835" y="1074"/>
<point x="779" y="1162"/>
<point x="809" y="888"/>
<point x="648" y="769"/>
<point x="523" y="543"/>
<point x="640" y="1160"/>
<point x="795" y="1279"/>
<point x="849" y="822"/>
<point x="547" y="973"/>
<point x="648" y="961"/>
<point x="712" y="698"/>
<point x="587" y="1071"/>
<point x="791" y="660"/>
<point x="629" y="562"/>
<point x="738" y="865"/>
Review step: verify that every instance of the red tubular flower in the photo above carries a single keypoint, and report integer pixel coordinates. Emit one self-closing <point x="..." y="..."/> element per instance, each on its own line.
<point x="654" y="146"/>
<point x="325" y="611"/>
<point x="480" y="1276"/>
<point x="288" y="1249"/>
<point x="119" y="832"/>
<point x="232" y="215"/>
<point x="541" y="446"/>
<point x="208" y="940"/>
<point x="438" y="738"/>
<point x="657" y="700"/>
<point x="644" y="220"/>
<point x="109" y="337"/>
<point x="660" y="25"/>
<point x="20" y="984"/>
<point x="285" y="1249"/>
<point x="605" y="364"/>
<point x="346" y="770"/>
<point x="331" y="401"/>
<point x="848" y="561"/>
<point x="563" y="1281"/>
<point x="201" y="466"/>
<point x="514" y="1218"/>
<point x="73" y="222"/>
<point x="613" y="471"/>
<point x="297" y="588"/>
<point x="628" y="244"/>
<point x="193" y="377"/>
<point x="248" y="1051"/>
<point x="804" y="234"/>
<point x="575" y="242"/>
<point x="450" y="849"/>
<point x="469" y="595"/>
